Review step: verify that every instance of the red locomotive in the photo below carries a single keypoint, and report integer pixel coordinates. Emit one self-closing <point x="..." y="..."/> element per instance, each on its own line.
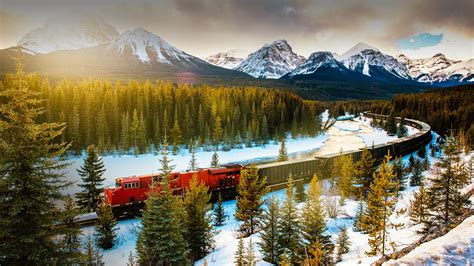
<point x="130" y="193"/>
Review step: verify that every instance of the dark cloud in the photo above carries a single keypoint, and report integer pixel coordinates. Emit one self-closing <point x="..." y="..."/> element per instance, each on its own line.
<point x="206" y="26"/>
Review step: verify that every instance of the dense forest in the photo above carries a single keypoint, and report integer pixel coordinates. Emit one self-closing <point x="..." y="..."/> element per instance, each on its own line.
<point x="444" y="109"/>
<point x="136" y="115"/>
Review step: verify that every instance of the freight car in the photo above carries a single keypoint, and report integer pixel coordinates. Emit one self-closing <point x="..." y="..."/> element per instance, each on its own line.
<point x="130" y="193"/>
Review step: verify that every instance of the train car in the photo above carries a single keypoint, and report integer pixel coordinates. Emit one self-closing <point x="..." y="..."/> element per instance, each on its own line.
<point x="130" y="193"/>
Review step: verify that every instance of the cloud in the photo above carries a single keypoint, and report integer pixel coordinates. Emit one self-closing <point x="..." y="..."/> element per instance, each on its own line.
<point x="419" y="41"/>
<point x="202" y="27"/>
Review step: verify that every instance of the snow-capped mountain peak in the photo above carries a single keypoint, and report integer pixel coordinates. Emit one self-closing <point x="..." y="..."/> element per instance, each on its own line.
<point x="273" y="60"/>
<point x="438" y="68"/>
<point x="316" y="61"/>
<point x="77" y="31"/>
<point x="147" y="47"/>
<point x="229" y="59"/>
<point x="356" y="49"/>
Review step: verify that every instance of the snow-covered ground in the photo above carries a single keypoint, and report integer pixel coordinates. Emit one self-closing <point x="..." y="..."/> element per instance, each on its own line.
<point x="345" y="135"/>
<point x="226" y="241"/>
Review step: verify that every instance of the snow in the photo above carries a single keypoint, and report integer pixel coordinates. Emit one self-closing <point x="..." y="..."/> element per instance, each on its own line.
<point x="226" y="241"/>
<point x="139" y="41"/>
<point x="68" y="32"/>
<point x="273" y="60"/>
<point x="365" y="71"/>
<point x="229" y="59"/>
<point x="454" y="248"/>
<point x="316" y="61"/>
<point x="347" y="126"/>
<point x="357" y="49"/>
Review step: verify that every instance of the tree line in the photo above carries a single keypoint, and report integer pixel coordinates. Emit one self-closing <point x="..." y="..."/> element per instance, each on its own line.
<point x="137" y="115"/>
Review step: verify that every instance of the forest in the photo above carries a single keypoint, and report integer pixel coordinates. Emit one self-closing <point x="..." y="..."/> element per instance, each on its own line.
<point x="443" y="109"/>
<point x="136" y="115"/>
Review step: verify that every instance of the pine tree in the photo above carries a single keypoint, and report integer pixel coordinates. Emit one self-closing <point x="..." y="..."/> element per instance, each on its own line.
<point x="380" y="203"/>
<point x="106" y="227"/>
<point x="91" y="174"/>
<point x="402" y="129"/>
<point x="315" y="255"/>
<point x="250" y="258"/>
<point x="347" y="174"/>
<point x="446" y="201"/>
<point x="193" y="165"/>
<point x="357" y="227"/>
<point x="92" y="256"/>
<point x="269" y="245"/>
<point x="400" y="173"/>
<point x="215" y="159"/>
<point x="250" y="192"/>
<point x="199" y="231"/>
<point x="71" y="238"/>
<point x="219" y="212"/>
<point x="343" y="244"/>
<point x="391" y="125"/>
<point x="218" y="131"/>
<point x="31" y="170"/>
<point x="416" y="172"/>
<point x="240" y="253"/>
<point x="313" y="224"/>
<point x="364" y="171"/>
<point x="300" y="193"/>
<point x="131" y="259"/>
<point x="161" y="240"/>
<point x="282" y="153"/>
<point x="284" y="260"/>
<point x="289" y="225"/>
<point x="419" y="205"/>
<point x="422" y="152"/>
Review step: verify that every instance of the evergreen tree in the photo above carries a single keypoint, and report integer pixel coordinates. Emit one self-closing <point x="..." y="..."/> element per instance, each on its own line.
<point x="92" y="256"/>
<point x="402" y="129"/>
<point x="106" y="227"/>
<point x="282" y="153"/>
<point x="215" y="159"/>
<point x="357" y="227"/>
<point x="284" y="260"/>
<point x="250" y="192"/>
<point x="161" y="240"/>
<point x="31" y="171"/>
<point x="300" y="193"/>
<point x="218" y="131"/>
<point x="240" y="253"/>
<point x="219" y="212"/>
<point x="422" y="152"/>
<point x="269" y="245"/>
<point x="419" y="205"/>
<point x="199" y="231"/>
<point x="391" y="125"/>
<point x="289" y="225"/>
<point x="91" y="174"/>
<point x="343" y="244"/>
<point x="315" y="255"/>
<point x="364" y="171"/>
<point x="193" y="164"/>
<point x="250" y="258"/>
<point x="380" y="203"/>
<point x="400" y="173"/>
<point x="70" y="240"/>
<point x="446" y="201"/>
<point x="346" y="178"/>
<point x="313" y="224"/>
<point x="416" y="172"/>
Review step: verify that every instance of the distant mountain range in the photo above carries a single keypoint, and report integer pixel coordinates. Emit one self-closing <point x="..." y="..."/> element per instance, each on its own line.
<point x="87" y="45"/>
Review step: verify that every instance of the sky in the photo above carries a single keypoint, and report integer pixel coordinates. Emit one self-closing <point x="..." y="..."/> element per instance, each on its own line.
<point x="416" y="28"/>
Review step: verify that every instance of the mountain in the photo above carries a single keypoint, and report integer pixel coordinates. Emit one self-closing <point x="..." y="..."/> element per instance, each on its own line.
<point x="229" y="59"/>
<point x="271" y="61"/>
<point x="323" y="66"/>
<point x="68" y="33"/>
<point x="438" y="69"/>
<point x="135" y="53"/>
<point x="373" y="63"/>
<point x="357" y="49"/>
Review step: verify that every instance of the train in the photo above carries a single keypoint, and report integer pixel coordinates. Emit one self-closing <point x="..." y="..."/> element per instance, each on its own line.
<point x="130" y="193"/>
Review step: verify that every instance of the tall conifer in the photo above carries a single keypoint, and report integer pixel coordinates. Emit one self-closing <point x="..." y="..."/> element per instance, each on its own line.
<point x="91" y="174"/>
<point x="269" y="235"/>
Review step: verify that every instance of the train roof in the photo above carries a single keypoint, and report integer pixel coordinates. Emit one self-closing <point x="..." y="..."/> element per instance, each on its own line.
<point x="262" y="166"/>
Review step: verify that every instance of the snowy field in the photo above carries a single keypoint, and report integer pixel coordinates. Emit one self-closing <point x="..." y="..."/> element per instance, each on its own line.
<point x="226" y="241"/>
<point x="345" y="135"/>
